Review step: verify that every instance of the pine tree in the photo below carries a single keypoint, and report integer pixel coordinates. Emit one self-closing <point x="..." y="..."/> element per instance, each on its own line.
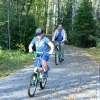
<point x="84" y="25"/>
<point x="67" y="19"/>
<point x="67" y="16"/>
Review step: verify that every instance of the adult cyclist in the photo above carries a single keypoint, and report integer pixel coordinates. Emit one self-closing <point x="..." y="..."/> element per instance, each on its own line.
<point x="60" y="36"/>
<point x="42" y="44"/>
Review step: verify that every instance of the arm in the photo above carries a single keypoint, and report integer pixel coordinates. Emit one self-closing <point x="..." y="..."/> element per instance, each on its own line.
<point x="64" y="36"/>
<point x="30" y="47"/>
<point x="51" y="47"/>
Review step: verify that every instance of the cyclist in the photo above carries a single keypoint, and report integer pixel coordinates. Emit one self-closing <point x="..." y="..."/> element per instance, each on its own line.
<point x="42" y="44"/>
<point x="60" y="35"/>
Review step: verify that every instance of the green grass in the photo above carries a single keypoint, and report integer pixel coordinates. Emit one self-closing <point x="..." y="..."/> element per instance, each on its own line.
<point x="11" y="61"/>
<point x="94" y="53"/>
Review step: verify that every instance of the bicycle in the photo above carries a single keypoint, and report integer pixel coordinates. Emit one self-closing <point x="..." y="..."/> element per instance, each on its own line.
<point x="58" y="53"/>
<point x="37" y="76"/>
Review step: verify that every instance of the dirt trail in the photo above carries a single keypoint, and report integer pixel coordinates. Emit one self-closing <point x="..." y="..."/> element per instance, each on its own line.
<point x="77" y="78"/>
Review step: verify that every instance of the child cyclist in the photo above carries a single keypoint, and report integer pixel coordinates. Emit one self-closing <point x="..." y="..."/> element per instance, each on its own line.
<point x="42" y="44"/>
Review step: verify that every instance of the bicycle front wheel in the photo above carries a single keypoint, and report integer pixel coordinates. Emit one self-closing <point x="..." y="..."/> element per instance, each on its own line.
<point x="60" y="58"/>
<point x="43" y="83"/>
<point x="56" y="58"/>
<point x="32" y="85"/>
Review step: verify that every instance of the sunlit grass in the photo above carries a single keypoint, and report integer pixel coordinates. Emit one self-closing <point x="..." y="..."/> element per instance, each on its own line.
<point x="11" y="61"/>
<point x="94" y="53"/>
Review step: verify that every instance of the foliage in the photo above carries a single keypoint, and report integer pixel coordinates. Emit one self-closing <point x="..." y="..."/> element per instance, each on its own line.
<point x="24" y="17"/>
<point x="67" y="19"/>
<point x="84" y="25"/>
<point x="10" y="61"/>
<point x="21" y="47"/>
<point x="97" y="39"/>
<point x="94" y="53"/>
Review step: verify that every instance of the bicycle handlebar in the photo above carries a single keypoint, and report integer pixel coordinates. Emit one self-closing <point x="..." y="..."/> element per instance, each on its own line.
<point x="41" y="53"/>
<point x="38" y="52"/>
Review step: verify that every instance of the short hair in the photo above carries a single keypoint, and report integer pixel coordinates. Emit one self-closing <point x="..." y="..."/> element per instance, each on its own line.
<point x="59" y="24"/>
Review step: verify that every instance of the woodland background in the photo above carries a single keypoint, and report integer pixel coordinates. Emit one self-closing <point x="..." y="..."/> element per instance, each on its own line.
<point x="20" y="18"/>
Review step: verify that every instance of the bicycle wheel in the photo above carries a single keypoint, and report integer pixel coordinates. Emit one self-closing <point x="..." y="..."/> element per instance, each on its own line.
<point x="56" y="58"/>
<point x="60" y="58"/>
<point x="32" y="85"/>
<point x="43" y="82"/>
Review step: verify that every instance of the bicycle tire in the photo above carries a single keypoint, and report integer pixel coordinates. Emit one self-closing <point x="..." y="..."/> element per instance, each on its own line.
<point x="60" y="58"/>
<point x="32" y="85"/>
<point x="56" y="59"/>
<point x="43" y="83"/>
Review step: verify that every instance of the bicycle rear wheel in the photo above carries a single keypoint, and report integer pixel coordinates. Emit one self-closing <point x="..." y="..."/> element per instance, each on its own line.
<point x="60" y="58"/>
<point x="43" y="82"/>
<point x="32" y="85"/>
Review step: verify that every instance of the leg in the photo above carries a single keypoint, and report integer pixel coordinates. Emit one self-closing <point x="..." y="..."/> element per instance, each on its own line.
<point x="45" y="58"/>
<point x="44" y="65"/>
<point x="62" y="50"/>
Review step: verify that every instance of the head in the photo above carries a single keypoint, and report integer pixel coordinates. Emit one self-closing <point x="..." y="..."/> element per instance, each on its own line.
<point x="39" y="33"/>
<point x="60" y="26"/>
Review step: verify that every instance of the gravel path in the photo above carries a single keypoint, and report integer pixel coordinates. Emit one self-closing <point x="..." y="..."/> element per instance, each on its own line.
<point x="77" y="78"/>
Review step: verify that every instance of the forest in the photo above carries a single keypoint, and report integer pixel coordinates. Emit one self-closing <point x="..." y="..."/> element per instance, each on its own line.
<point x="20" y="18"/>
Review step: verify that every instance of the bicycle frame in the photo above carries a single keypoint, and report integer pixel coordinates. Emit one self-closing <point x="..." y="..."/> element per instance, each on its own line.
<point x="36" y="69"/>
<point x="58" y="52"/>
<point x="58" y="48"/>
<point x="37" y="76"/>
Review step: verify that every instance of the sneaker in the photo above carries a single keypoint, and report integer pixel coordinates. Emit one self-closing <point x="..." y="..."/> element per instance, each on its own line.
<point x="46" y="74"/>
<point x="62" y="59"/>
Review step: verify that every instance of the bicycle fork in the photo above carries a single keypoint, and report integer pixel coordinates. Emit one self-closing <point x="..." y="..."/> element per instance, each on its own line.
<point x="36" y="77"/>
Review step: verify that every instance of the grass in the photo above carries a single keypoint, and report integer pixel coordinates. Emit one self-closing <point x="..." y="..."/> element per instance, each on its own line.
<point x="11" y="61"/>
<point x="94" y="53"/>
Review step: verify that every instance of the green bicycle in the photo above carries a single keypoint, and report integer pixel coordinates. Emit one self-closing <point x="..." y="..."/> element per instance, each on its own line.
<point x="58" y="53"/>
<point x="37" y="76"/>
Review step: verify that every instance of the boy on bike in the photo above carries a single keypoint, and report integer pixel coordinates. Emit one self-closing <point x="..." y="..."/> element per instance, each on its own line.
<point x="42" y="44"/>
<point x="60" y="36"/>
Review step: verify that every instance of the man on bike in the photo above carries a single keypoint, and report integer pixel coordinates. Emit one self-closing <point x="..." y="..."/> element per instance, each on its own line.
<point x="60" y="36"/>
<point x="42" y="44"/>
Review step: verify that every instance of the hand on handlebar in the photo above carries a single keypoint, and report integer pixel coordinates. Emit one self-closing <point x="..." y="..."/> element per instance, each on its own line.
<point x="62" y="41"/>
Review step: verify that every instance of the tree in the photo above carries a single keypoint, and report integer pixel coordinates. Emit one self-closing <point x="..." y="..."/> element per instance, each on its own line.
<point x="17" y="23"/>
<point x="84" y="25"/>
<point x="67" y="18"/>
<point x="20" y="18"/>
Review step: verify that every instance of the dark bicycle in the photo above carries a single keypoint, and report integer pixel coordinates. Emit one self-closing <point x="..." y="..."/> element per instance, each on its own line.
<point x="58" y="53"/>
<point x="37" y="76"/>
